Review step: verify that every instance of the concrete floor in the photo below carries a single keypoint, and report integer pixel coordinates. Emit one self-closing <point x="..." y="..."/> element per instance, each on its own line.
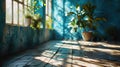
<point x="69" y="54"/>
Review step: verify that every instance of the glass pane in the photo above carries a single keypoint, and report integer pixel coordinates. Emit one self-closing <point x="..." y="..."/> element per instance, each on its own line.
<point x="21" y="16"/>
<point x="15" y="12"/>
<point x="49" y="7"/>
<point x="25" y="12"/>
<point x="27" y="6"/>
<point x="48" y="14"/>
<point x="46" y="7"/>
<point x="29" y="2"/>
<point x="20" y="0"/>
<point x="25" y="2"/>
<point x="8" y="11"/>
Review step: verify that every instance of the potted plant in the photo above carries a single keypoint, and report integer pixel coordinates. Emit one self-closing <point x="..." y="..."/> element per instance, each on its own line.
<point x="36" y="21"/>
<point x="85" y="19"/>
<point x="33" y="17"/>
<point x="28" y="18"/>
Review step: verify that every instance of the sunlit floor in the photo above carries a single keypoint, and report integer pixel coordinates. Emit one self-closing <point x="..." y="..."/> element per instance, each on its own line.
<point x="69" y="54"/>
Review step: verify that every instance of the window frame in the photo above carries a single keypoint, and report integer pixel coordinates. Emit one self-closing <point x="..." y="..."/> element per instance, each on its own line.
<point x="24" y="9"/>
<point x="48" y="12"/>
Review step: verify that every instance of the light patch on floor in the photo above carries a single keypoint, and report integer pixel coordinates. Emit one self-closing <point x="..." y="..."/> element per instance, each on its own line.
<point x="69" y="54"/>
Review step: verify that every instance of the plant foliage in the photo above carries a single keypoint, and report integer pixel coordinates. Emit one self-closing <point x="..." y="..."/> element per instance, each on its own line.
<point x="84" y="16"/>
<point x="33" y="15"/>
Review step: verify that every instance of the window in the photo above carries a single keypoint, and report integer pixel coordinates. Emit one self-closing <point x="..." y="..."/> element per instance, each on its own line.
<point x="9" y="10"/>
<point x="48" y="13"/>
<point x="48" y="7"/>
<point x="15" y="11"/>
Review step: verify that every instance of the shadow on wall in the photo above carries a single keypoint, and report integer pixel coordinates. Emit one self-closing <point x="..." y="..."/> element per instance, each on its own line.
<point x="61" y="7"/>
<point x="57" y="16"/>
<point x="111" y="10"/>
<point x="112" y="33"/>
<point x="60" y="21"/>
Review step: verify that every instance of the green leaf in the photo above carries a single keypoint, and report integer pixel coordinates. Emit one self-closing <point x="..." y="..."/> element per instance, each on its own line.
<point x="77" y="7"/>
<point x="70" y="13"/>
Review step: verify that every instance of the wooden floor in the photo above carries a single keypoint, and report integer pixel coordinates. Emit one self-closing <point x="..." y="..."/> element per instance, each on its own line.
<point x="69" y="54"/>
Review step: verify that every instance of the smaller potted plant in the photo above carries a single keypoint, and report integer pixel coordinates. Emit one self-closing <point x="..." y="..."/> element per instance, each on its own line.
<point x="85" y="19"/>
<point x="33" y="17"/>
<point x="36" y="21"/>
<point x="28" y="20"/>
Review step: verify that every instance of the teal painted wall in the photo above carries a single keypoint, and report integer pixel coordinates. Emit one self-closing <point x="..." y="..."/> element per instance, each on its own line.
<point x="58" y="18"/>
<point x="20" y="38"/>
<point x="2" y="18"/>
<point x="105" y="8"/>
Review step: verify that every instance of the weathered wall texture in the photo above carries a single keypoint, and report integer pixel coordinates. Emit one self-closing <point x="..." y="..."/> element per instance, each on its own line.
<point x="2" y="18"/>
<point x="106" y="8"/>
<point x="20" y="38"/>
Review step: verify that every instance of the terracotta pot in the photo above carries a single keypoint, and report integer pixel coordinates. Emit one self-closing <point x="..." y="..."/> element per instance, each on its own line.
<point x="27" y="21"/>
<point x="87" y="36"/>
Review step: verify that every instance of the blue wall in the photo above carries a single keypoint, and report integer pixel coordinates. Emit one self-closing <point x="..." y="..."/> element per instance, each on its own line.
<point x="106" y="8"/>
<point x="58" y="18"/>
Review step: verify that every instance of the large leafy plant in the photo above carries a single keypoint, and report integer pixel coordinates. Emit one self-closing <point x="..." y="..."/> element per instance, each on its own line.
<point x="84" y="17"/>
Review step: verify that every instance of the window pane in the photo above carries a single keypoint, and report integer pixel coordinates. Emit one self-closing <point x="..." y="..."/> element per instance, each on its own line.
<point x="8" y="11"/>
<point x="21" y="16"/>
<point x="49" y="7"/>
<point x="25" y="12"/>
<point x="20" y="0"/>
<point x="15" y="12"/>
<point x="25" y="2"/>
<point x="48" y="14"/>
<point x="29" y="2"/>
